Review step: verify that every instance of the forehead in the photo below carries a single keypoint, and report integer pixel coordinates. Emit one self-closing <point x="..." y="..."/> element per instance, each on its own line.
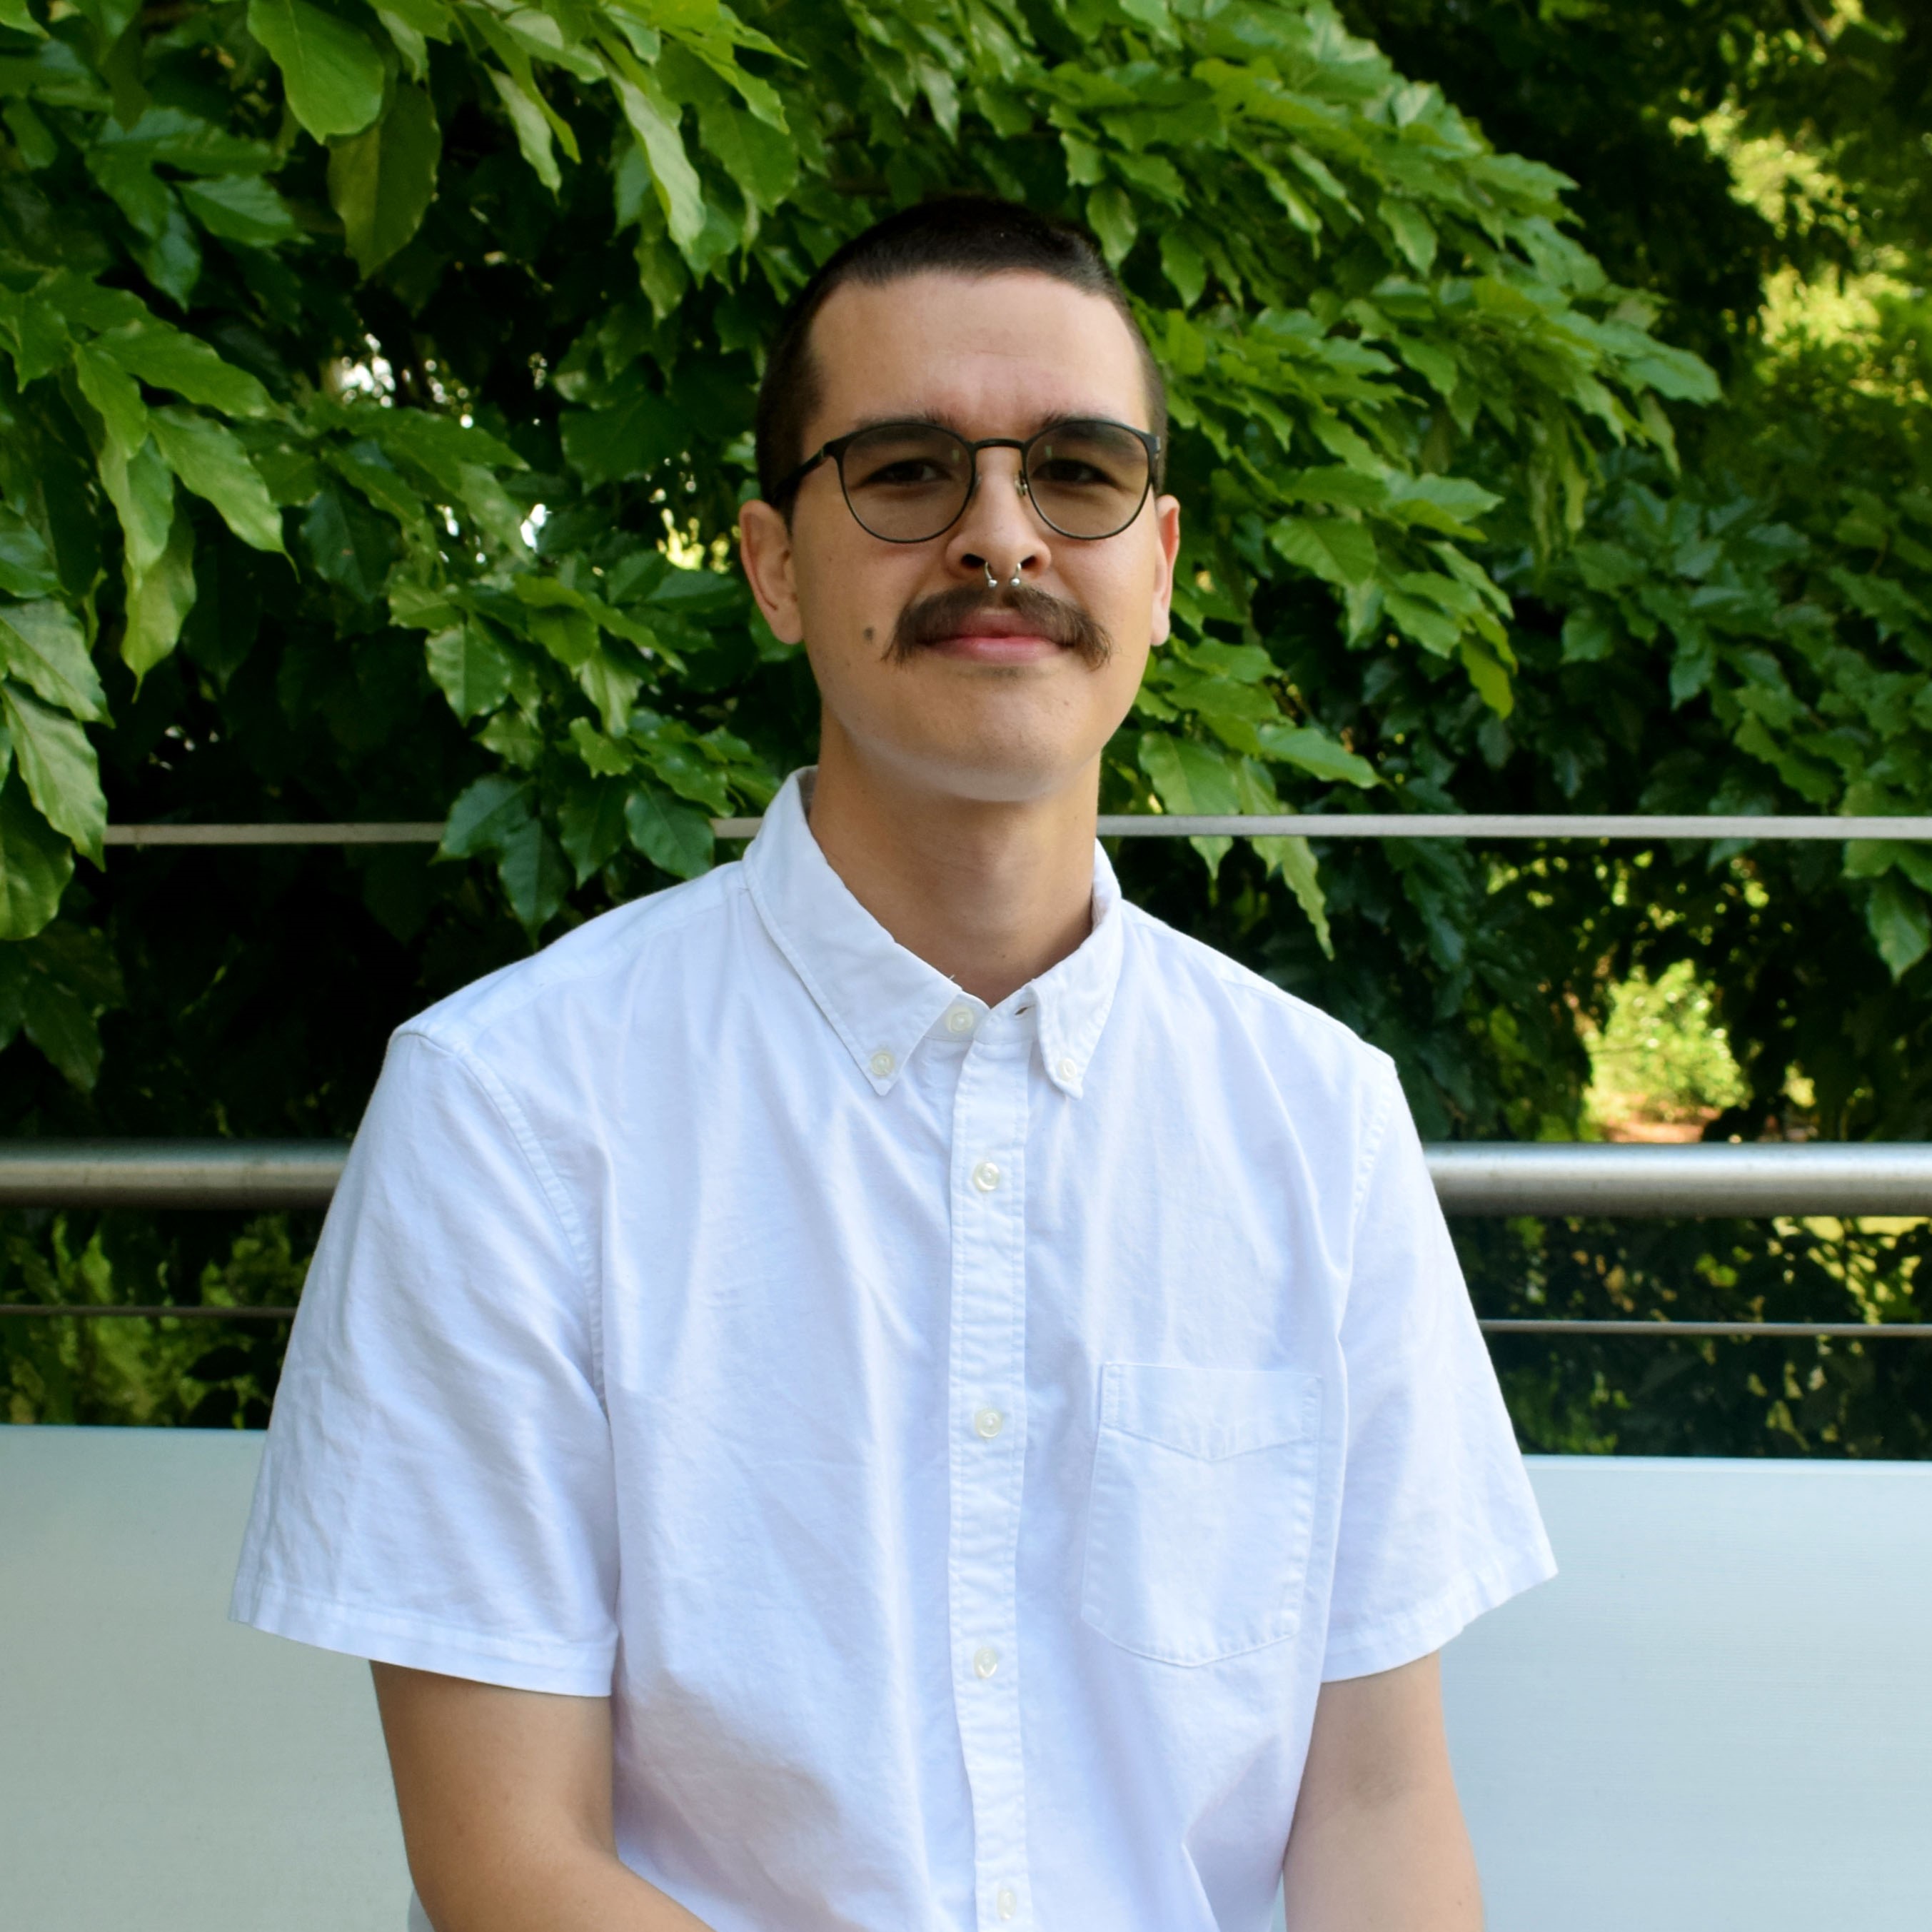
<point x="986" y="354"/>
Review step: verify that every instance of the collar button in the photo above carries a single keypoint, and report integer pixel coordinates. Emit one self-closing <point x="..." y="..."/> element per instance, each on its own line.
<point x="882" y="1065"/>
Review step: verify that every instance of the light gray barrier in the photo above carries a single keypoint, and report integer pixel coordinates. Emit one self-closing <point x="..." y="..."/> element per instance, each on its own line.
<point x="161" y="1769"/>
<point x="1717" y="1719"/>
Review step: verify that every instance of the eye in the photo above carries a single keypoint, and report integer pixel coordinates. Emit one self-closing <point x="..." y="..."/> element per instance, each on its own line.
<point x="904" y="472"/>
<point x="1070" y="472"/>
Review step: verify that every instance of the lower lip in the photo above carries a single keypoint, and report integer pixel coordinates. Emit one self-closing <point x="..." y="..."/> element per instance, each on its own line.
<point x="980" y="647"/>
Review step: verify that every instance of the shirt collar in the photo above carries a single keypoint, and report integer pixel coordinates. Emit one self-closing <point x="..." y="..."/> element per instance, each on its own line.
<point x="881" y="1000"/>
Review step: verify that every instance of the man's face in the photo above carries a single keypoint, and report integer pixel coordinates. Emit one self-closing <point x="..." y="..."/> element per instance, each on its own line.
<point x="987" y="697"/>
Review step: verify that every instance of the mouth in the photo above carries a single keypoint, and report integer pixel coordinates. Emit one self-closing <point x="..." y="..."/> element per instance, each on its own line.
<point x="999" y="628"/>
<point x="999" y="636"/>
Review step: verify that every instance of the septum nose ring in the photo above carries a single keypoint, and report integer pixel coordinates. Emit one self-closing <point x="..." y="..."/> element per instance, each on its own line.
<point x="993" y="582"/>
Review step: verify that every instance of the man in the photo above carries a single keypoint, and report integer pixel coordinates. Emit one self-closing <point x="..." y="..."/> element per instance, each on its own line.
<point x="883" y="1388"/>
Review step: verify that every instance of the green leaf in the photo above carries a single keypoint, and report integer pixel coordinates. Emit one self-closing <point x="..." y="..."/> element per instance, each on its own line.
<point x="447" y="449"/>
<point x="240" y="208"/>
<point x="412" y="24"/>
<point x="1588" y="636"/>
<point x="331" y="70"/>
<point x="1188" y="778"/>
<point x="1491" y="680"/>
<point x="57" y="764"/>
<point x="470" y="668"/>
<point x="1315" y="752"/>
<point x="34" y="333"/>
<point x="1335" y="549"/>
<point x="1110" y="213"/>
<point x="535" y="875"/>
<point x="687" y="772"/>
<point x="486" y="813"/>
<point x="35" y="865"/>
<point x="170" y="358"/>
<point x="762" y="160"/>
<point x="674" y="837"/>
<point x="142" y="489"/>
<point x="116" y="395"/>
<point x="531" y="123"/>
<point x="653" y="120"/>
<point x="209" y="459"/>
<point x="13" y="14"/>
<point x="347" y="543"/>
<point x="171" y="260"/>
<point x="631" y="434"/>
<point x="1295" y="859"/>
<point x="610" y="685"/>
<point x="1181" y="263"/>
<point x="590" y="823"/>
<point x="1900" y="923"/>
<point x="61" y="979"/>
<point x="381" y="181"/>
<point x="43" y="645"/>
<point x="159" y="599"/>
<point x="601" y="756"/>
<point x="26" y="566"/>
<point x="1415" y="234"/>
<point x="1425" y="623"/>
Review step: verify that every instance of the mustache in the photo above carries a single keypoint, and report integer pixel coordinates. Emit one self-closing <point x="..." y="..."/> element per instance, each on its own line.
<point x="947" y="612"/>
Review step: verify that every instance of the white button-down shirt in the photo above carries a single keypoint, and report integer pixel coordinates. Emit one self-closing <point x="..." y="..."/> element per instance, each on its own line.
<point x="962" y="1440"/>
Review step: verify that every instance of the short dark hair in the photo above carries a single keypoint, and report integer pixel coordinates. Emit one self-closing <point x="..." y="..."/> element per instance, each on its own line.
<point x="961" y="235"/>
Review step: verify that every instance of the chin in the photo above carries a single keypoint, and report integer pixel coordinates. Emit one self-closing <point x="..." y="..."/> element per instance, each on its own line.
<point x="999" y="772"/>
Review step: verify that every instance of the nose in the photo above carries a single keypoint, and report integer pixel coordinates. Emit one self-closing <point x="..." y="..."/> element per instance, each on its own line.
<point x="999" y="535"/>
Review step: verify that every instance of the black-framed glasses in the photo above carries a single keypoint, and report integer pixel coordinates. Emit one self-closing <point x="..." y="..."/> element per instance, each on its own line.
<point x="909" y="482"/>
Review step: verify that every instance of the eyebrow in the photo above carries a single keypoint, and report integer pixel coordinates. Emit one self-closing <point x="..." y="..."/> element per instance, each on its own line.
<point x="939" y="419"/>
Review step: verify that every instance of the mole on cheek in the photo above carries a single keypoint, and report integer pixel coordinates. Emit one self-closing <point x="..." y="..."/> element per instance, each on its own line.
<point x="868" y="634"/>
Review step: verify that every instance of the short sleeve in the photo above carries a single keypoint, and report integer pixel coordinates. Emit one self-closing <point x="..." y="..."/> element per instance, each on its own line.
<point x="436" y="1489"/>
<point x="1438" y="1521"/>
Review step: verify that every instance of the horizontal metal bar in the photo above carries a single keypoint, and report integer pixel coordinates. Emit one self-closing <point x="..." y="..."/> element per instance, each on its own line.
<point x="1174" y="825"/>
<point x="1471" y="1176"/>
<point x="1860" y="1331"/>
<point x="419" y="834"/>
<point x="148" y="1311"/>
<point x="169" y="1174"/>
<point x="1503" y="825"/>
<point x="1750" y="1178"/>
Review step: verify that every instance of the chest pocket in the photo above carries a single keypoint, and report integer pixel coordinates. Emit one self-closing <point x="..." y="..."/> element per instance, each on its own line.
<point x="1202" y="1509"/>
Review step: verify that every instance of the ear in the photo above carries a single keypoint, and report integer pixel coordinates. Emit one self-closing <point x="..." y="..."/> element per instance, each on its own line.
<point x="1167" y="537"/>
<point x="764" y="545"/>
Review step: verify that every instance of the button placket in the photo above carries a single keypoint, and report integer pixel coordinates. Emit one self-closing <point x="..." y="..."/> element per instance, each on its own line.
<point x="988" y="1381"/>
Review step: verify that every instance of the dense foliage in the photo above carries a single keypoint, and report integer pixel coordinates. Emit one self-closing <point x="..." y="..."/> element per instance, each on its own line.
<point x="376" y="406"/>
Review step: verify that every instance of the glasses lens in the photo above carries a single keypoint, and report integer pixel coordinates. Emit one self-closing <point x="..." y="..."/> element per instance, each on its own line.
<point x="906" y="482"/>
<point x="1087" y="479"/>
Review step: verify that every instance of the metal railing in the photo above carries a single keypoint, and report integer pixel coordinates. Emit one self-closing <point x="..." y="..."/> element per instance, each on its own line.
<point x="1172" y="825"/>
<point x="1471" y="1177"/>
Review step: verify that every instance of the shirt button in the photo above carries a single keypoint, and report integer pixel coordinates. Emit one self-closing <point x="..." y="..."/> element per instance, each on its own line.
<point x="989" y="1422"/>
<point x="1068" y="1070"/>
<point x="882" y="1064"/>
<point x="986" y="1176"/>
<point x="1006" y="1901"/>
<point x="960" y="1020"/>
<point x="985" y="1661"/>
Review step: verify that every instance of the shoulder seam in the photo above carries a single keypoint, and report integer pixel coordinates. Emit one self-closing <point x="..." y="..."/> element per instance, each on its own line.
<point x="469" y="1031"/>
<point x="1231" y="972"/>
<point x="544" y="1173"/>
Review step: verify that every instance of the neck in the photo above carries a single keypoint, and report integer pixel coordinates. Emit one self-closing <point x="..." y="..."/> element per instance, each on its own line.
<point x="991" y="894"/>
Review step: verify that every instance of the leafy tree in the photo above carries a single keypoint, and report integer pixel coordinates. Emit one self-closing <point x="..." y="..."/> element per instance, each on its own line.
<point x="375" y="406"/>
